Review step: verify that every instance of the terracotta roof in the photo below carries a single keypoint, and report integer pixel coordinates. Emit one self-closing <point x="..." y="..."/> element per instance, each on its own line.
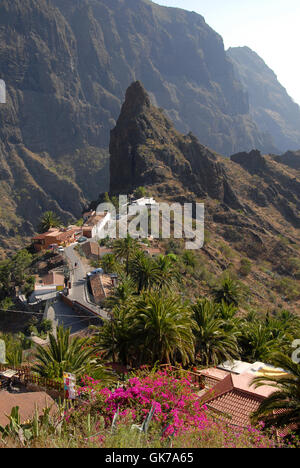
<point x="94" y="220"/>
<point x="64" y="235"/>
<point x="27" y="403"/>
<point x="59" y="234"/>
<point x="212" y="376"/>
<point x="52" y="232"/>
<point x="91" y="248"/>
<point x="235" y="397"/>
<point x="215" y="373"/>
<point x="97" y="289"/>
<point x="53" y="278"/>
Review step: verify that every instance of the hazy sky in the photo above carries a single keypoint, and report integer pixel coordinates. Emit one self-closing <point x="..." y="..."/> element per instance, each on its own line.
<point x="269" y="27"/>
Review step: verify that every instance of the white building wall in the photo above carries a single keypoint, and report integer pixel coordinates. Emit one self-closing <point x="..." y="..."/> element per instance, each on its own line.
<point x="96" y="232"/>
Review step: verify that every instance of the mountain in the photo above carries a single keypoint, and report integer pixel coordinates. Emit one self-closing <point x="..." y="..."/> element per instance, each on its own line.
<point x="252" y="200"/>
<point x="271" y="108"/>
<point x="67" y="66"/>
<point x="145" y="149"/>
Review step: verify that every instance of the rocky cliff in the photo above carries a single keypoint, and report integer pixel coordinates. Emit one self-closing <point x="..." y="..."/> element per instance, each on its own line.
<point x="271" y="108"/>
<point x="67" y="65"/>
<point x="252" y="200"/>
<point x="145" y="149"/>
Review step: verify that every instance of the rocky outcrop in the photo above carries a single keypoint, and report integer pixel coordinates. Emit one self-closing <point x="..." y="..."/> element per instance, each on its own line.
<point x="145" y="149"/>
<point x="271" y="108"/>
<point x="252" y="198"/>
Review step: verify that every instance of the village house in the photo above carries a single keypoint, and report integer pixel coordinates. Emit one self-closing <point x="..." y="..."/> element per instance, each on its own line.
<point x="47" y="287"/>
<point x="235" y="398"/>
<point x="229" y="392"/>
<point x="94" y="224"/>
<point x="55" y="236"/>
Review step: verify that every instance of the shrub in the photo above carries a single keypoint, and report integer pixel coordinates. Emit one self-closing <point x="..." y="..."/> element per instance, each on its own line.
<point x="245" y="267"/>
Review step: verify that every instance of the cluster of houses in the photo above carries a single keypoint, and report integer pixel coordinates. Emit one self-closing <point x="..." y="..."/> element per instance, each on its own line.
<point x="56" y="239"/>
<point x="92" y="228"/>
<point x="94" y="223"/>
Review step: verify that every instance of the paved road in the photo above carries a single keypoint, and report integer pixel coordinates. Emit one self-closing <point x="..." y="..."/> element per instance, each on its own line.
<point x="78" y="291"/>
<point x="61" y="314"/>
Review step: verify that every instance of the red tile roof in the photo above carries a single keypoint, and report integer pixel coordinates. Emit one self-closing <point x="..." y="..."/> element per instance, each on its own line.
<point x="236" y="398"/>
<point x="212" y="376"/>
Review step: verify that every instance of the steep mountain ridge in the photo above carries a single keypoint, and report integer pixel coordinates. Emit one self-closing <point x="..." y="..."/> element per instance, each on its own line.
<point x="251" y="199"/>
<point x="271" y="108"/>
<point x="67" y="66"/>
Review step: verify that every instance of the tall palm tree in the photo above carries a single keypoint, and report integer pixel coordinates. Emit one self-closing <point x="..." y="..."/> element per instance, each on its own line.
<point x="144" y="272"/>
<point x="257" y="342"/>
<point x="213" y="344"/>
<point x="125" y="249"/>
<point x="116" y="339"/>
<point x="109" y="264"/>
<point x="63" y="355"/>
<point x="166" y="271"/>
<point x="164" y="327"/>
<point x="282" y="408"/>
<point x="48" y="220"/>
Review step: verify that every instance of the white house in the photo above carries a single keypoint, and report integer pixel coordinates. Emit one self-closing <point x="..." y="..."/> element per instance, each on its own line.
<point x="95" y="225"/>
<point x="144" y="202"/>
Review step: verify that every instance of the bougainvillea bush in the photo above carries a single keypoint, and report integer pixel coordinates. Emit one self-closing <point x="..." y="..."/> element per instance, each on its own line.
<point x="177" y="407"/>
<point x="181" y="419"/>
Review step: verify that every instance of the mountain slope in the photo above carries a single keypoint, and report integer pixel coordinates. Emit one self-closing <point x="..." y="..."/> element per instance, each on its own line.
<point x="67" y="66"/>
<point x="257" y="196"/>
<point x="271" y="108"/>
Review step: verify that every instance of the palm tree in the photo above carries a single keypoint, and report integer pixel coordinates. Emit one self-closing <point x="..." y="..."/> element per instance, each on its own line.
<point x="257" y="342"/>
<point x="123" y="293"/>
<point x="125" y="249"/>
<point x="109" y="264"/>
<point x="167" y="274"/>
<point x="144" y="272"/>
<point x="227" y="311"/>
<point x="213" y="344"/>
<point x="282" y="408"/>
<point x="116" y="339"/>
<point x="228" y="291"/>
<point x="49" y="220"/>
<point x="164" y="327"/>
<point x="63" y="355"/>
<point x="290" y="322"/>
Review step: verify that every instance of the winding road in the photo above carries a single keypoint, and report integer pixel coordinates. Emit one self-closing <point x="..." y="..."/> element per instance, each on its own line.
<point x="78" y="291"/>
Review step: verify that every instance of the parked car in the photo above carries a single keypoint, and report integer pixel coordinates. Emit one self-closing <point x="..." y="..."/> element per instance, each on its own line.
<point x="60" y="249"/>
<point x="82" y="239"/>
<point x="98" y="271"/>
